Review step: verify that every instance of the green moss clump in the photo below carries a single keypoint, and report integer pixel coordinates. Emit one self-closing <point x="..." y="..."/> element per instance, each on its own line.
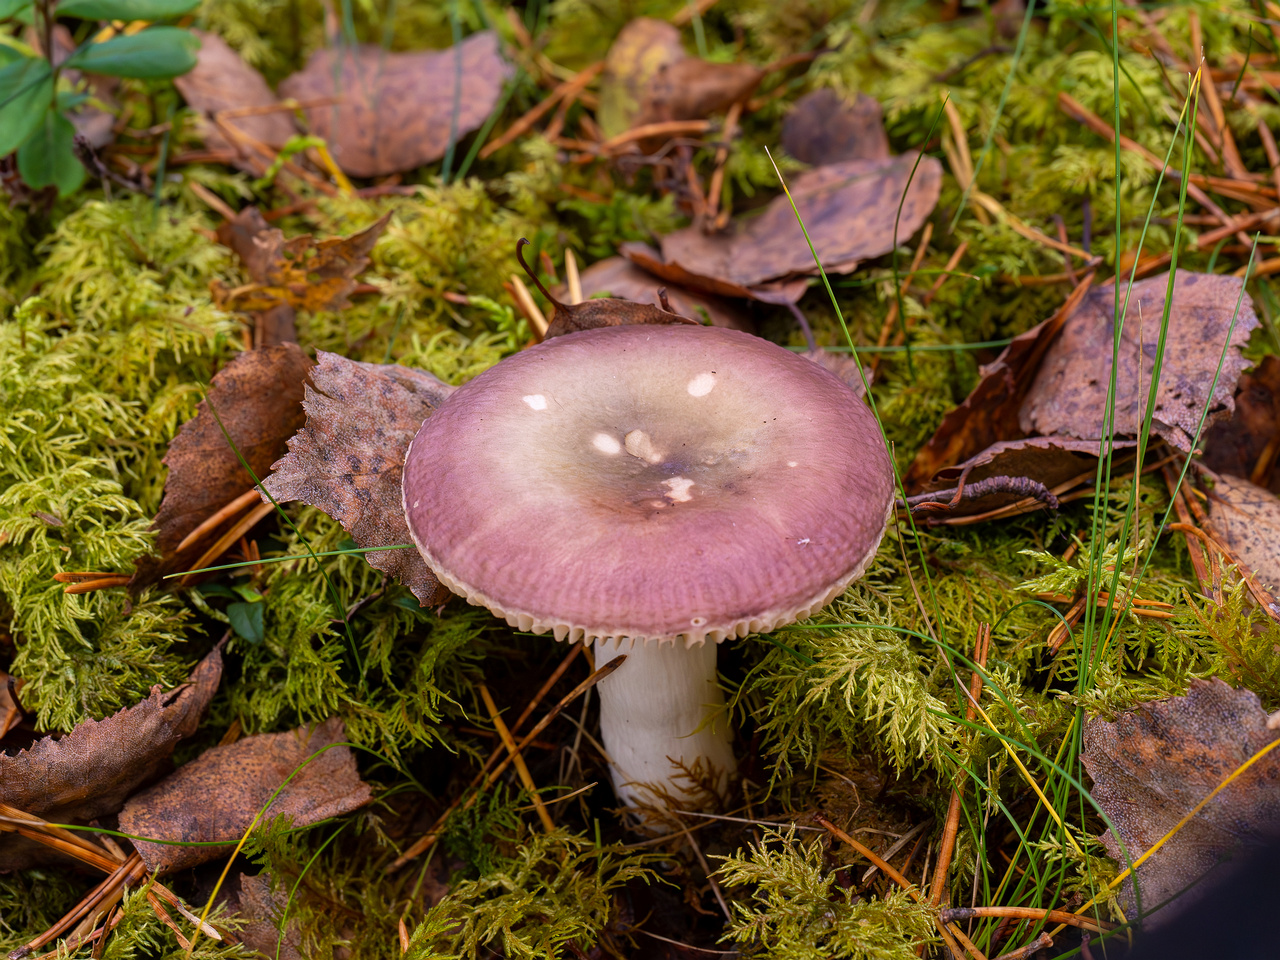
<point x="795" y="909"/>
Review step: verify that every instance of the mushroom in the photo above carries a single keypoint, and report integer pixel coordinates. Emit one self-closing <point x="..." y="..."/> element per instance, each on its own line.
<point x="655" y="490"/>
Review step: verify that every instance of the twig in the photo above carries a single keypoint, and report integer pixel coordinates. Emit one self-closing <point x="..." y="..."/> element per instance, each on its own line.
<point x="1024" y="487"/>
<point x="1026" y="913"/>
<point x="950" y="829"/>
<point x="465" y="802"/>
<point x="574" y="86"/>
<point x="224" y="542"/>
<point x="949" y="931"/>
<point x="524" y="300"/>
<point x="666" y="128"/>
<point x="572" y="279"/>
<point x="1042" y="942"/>
<point x="223" y="513"/>
<point x="522" y="769"/>
<point x="891" y="316"/>
<point x="716" y="186"/>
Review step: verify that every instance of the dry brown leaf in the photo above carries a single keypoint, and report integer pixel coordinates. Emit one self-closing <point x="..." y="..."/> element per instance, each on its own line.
<point x="305" y="273"/>
<point x="1152" y="766"/>
<point x="824" y="128"/>
<point x="1247" y="517"/>
<point x="218" y="795"/>
<point x="258" y="397"/>
<point x="263" y="908"/>
<point x="10" y="715"/>
<point x="1068" y="396"/>
<point x="349" y="458"/>
<point x="642" y="48"/>
<point x="221" y="81"/>
<point x="850" y="210"/>
<point x="92" y="770"/>
<point x="1247" y="445"/>
<point x="692" y="89"/>
<point x="398" y="109"/>
<point x="619" y="277"/>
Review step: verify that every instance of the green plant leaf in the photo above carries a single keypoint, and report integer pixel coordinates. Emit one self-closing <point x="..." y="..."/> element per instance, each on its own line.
<point x="26" y="92"/>
<point x="124" y="9"/>
<point x="10" y="7"/>
<point x="47" y="157"/>
<point x="155" y="53"/>
<point x="247" y="621"/>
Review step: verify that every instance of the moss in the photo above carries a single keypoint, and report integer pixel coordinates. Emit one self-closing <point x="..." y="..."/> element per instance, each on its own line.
<point x="796" y="910"/>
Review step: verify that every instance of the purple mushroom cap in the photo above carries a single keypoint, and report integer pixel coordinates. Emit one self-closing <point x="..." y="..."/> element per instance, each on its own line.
<point x="654" y="482"/>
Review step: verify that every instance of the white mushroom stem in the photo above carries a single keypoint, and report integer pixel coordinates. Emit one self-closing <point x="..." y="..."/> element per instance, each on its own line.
<point x="664" y="725"/>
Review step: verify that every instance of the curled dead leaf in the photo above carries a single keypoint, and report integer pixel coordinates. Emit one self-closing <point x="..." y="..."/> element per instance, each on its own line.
<point x="1247" y="518"/>
<point x="1248" y="445"/>
<point x="1152" y="766"/>
<point x="222" y="81"/>
<point x="1069" y="394"/>
<point x="258" y="397"/>
<point x="349" y="457"/>
<point x="92" y="770"/>
<point x="218" y="795"/>
<point x="619" y="277"/>
<point x="302" y="272"/>
<point x="849" y="208"/>
<point x="398" y="110"/>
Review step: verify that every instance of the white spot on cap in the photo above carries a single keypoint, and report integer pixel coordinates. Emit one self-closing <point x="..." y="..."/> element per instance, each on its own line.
<point x="536" y="400"/>
<point x="679" y="487"/>
<point x="698" y="622"/>
<point x="640" y="446"/>
<point x="804" y="542"/>
<point x="701" y="385"/>
<point x="792" y="463"/>
<point x="606" y="444"/>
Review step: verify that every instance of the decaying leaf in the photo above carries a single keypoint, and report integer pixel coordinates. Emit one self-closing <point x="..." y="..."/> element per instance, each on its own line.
<point x="217" y="795"/>
<point x="222" y="81"/>
<point x="258" y="397"/>
<point x="619" y="277"/>
<point x="10" y="714"/>
<point x="1068" y="396"/>
<point x="263" y="908"/>
<point x="1151" y="767"/>
<point x="1248" y="445"/>
<point x="691" y="89"/>
<point x="599" y="312"/>
<point x="399" y="110"/>
<point x="302" y="272"/>
<point x="1052" y="380"/>
<point x="849" y="208"/>
<point x="642" y="48"/>
<point x="349" y="457"/>
<point x="1247" y="517"/>
<point x="92" y="770"/>
<point x="823" y="128"/>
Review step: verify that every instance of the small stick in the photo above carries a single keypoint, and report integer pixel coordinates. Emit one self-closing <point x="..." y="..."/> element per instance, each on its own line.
<point x="574" y="86"/>
<point x="891" y="317"/>
<point x="211" y="200"/>
<point x="946" y="846"/>
<point x="948" y="931"/>
<point x="524" y="300"/>
<point x="666" y="128"/>
<point x="961" y="160"/>
<point x="1273" y="155"/>
<point x="1026" y="913"/>
<point x="1231" y="161"/>
<point x="942" y="278"/>
<point x="1184" y="519"/>
<point x="224" y="542"/>
<point x="571" y="277"/>
<point x="522" y="769"/>
<point x="1042" y="942"/>
<point x="716" y="185"/>
<point x="230" y="510"/>
<point x="465" y="802"/>
<point x="105" y="583"/>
